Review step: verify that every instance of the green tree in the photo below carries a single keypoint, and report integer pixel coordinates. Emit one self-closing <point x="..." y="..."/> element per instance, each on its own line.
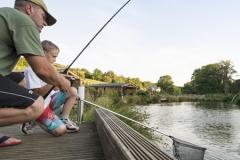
<point x="206" y="79"/>
<point x="213" y="78"/>
<point x="120" y="79"/>
<point x="226" y="71"/>
<point x="188" y="88"/>
<point x="177" y="91"/>
<point x="81" y="74"/>
<point x="170" y="90"/>
<point x="146" y="84"/>
<point x="110" y="74"/>
<point x="107" y="79"/>
<point x="87" y="73"/>
<point x="235" y="86"/>
<point x="166" y="84"/>
<point x="129" y="80"/>
<point x="78" y="72"/>
<point x="97" y="74"/>
<point x="137" y="82"/>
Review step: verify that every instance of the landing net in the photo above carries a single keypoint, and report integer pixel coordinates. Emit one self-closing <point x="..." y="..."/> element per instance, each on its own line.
<point x="183" y="150"/>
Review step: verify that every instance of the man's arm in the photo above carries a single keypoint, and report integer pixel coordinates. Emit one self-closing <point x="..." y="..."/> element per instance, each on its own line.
<point x="46" y="72"/>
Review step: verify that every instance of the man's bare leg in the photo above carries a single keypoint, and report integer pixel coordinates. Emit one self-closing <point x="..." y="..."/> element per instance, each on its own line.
<point x="23" y="82"/>
<point x="10" y="116"/>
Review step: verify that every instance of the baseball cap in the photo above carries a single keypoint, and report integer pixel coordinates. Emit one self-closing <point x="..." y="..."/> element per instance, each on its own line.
<point x="50" y="19"/>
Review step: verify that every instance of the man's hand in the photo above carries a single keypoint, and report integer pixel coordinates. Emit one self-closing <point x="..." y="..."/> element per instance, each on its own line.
<point x="63" y="75"/>
<point x="46" y="72"/>
<point x="65" y="85"/>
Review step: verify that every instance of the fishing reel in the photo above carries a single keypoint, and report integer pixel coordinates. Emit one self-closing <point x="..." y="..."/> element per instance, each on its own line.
<point x="72" y="80"/>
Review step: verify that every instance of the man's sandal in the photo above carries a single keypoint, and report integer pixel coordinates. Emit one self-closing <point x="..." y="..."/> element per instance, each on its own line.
<point x="4" y="138"/>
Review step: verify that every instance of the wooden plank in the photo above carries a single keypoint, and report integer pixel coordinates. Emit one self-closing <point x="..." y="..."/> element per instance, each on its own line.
<point x="120" y="141"/>
<point x="84" y="144"/>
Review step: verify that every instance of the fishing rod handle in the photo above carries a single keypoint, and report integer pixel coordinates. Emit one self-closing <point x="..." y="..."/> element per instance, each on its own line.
<point x="45" y="96"/>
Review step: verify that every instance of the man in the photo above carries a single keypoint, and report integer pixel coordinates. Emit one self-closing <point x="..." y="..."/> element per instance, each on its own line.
<point x="20" y="28"/>
<point x="48" y="120"/>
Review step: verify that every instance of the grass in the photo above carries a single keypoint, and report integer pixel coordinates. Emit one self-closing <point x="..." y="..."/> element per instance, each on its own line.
<point x="112" y="101"/>
<point x="91" y="81"/>
<point x="126" y="106"/>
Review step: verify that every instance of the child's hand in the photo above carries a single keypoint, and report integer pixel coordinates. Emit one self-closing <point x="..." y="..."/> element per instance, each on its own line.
<point x="56" y="88"/>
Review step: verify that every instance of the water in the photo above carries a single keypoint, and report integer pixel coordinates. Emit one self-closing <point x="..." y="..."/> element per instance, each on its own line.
<point x="215" y="126"/>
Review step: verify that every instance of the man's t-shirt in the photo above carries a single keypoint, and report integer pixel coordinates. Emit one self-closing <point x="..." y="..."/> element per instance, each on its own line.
<point x="18" y="35"/>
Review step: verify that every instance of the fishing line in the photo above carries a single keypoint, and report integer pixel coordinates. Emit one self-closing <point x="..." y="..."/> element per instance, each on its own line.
<point x="65" y="71"/>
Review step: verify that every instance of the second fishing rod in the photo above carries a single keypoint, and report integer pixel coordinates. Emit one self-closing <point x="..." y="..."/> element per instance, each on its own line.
<point x="66" y="70"/>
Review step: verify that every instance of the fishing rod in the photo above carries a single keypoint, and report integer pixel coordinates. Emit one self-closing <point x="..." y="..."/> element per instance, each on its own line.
<point x="65" y="71"/>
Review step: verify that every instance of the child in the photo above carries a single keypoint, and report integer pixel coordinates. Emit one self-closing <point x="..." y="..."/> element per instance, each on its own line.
<point x="48" y="120"/>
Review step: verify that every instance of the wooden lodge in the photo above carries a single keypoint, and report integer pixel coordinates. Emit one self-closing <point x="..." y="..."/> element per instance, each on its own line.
<point x="121" y="88"/>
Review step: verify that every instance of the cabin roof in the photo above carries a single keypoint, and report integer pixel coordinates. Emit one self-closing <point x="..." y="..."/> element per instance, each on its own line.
<point x="112" y="85"/>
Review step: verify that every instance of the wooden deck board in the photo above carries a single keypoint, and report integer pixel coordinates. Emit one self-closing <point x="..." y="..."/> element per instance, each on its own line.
<point x="84" y="144"/>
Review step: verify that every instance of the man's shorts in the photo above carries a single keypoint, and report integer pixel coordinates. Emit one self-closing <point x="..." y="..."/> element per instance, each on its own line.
<point x="48" y="117"/>
<point x="14" y="95"/>
<point x="15" y="77"/>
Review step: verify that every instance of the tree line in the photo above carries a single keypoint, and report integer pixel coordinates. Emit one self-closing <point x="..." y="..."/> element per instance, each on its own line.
<point x="211" y="78"/>
<point x="97" y="74"/>
<point x="110" y="77"/>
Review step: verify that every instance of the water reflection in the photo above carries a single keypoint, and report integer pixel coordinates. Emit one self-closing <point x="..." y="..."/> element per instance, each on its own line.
<point x="212" y="125"/>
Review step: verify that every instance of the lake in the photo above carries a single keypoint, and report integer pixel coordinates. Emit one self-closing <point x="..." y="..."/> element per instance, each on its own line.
<point x="212" y="125"/>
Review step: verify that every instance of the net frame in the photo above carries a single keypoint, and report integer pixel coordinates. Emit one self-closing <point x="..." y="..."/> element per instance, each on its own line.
<point x="183" y="150"/>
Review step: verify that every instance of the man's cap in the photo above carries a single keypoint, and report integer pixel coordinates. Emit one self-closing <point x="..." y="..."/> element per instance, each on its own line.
<point x="50" y="19"/>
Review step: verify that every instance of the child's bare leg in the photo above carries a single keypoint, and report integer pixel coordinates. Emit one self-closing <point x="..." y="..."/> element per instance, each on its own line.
<point x="56" y="132"/>
<point x="71" y="97"/>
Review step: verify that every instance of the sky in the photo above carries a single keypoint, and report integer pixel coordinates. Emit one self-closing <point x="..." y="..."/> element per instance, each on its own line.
<point x="147" y="39"/>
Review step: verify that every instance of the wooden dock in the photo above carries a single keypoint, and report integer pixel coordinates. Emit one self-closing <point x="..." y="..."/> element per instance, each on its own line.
<point x="106" y="138"/>
<point x="121" y="142"/>
<point x="82" y="145"/>
<point x="164" y="100"/>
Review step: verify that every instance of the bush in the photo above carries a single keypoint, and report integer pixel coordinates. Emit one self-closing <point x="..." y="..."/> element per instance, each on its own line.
<point x="131" y="100"/>
<point x="145" y="96"/>
<point x="156" y="98"/>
